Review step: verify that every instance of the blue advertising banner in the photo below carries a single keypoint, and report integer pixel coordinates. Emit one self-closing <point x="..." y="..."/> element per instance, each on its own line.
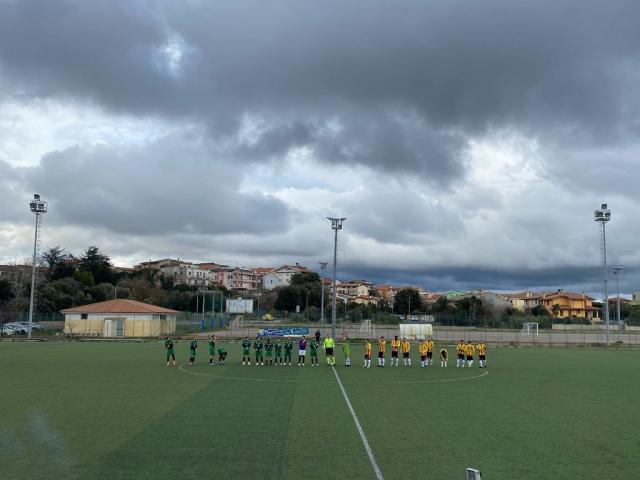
<point x="284" y="332"/>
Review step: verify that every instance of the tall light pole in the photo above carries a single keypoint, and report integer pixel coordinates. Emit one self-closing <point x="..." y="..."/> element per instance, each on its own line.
<point x="39" y="207"/>
<point x="323" y="266"/>
<point x="336" y="224"/>
<point x="616" y="271"/>
<point x="602" y="216"/>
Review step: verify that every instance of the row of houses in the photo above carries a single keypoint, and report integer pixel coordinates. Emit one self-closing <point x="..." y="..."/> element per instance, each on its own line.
<point x="239" y="279"/>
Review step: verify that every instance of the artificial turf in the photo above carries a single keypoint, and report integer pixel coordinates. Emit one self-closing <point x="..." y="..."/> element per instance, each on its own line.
<point x="114" y="410"/>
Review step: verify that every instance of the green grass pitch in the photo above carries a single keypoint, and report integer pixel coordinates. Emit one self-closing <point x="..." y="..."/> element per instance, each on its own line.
<point x="114" y="410"/>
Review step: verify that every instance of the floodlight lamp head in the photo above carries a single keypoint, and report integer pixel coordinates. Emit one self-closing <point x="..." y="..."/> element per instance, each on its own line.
<point x="602" y="215"/>
<point x="336" y="223"/>
<point x="37" y="205"/>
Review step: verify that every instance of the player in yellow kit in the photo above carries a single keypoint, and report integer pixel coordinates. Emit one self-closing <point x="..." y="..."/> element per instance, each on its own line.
<point x="406" y="352"/>
<point x="443" y="357"/>
<point x="430" y="346"/>
<point x="382" y="345"/>
<point x="470" y="350"/>
<point x="460" y="348"/>
<point x="422" y="348"/>
<point x="482" y="352"/>
<point x="367" y="354"/>
<point x="395" y="348"/>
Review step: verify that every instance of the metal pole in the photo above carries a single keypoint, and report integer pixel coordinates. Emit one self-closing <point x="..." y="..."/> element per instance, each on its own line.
<point x="616" y="271"/>
<point x="33" y="275"/>
<point x="323" y="265"/>
<point x="605" y="279"/>
<point x="333" y="299"/>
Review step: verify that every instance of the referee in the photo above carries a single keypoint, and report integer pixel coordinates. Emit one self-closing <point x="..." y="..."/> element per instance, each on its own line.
<point x="329" y="345"/>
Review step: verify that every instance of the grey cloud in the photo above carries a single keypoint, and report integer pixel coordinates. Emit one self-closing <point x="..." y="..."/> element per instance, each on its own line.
<point x="541" y="67"/>
<point x="174" y="185"/>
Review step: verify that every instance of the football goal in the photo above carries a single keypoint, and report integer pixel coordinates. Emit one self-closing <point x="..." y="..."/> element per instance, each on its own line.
<point x="530" y="328"/>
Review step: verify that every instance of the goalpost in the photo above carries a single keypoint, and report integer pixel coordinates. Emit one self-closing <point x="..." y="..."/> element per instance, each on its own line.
<point x="530" y="327"/>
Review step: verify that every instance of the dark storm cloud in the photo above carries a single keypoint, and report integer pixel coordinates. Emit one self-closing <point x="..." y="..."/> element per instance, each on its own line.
<point x="173" y="186"/>
<point x="577" y="279"/>
<point x="559" y="69"/>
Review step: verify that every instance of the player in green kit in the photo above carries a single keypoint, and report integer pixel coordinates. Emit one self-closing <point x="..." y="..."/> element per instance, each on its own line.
<point x="246" y="350"/>
<point x="313" y="352"/>
<point x="346" y="349"/>
<point x="168" y="345"/>
<point x="212" y="349"/>
<point x="268" y="352"/>
<point x="192" y="351"/>
<point x="278" y="349"/>
<point x="288" y="348"/>
<point x="222" y="355"/>
<point x="257" y="346"/>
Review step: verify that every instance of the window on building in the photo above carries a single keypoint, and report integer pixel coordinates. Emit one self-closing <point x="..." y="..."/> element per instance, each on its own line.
<point x="84" y="316"/>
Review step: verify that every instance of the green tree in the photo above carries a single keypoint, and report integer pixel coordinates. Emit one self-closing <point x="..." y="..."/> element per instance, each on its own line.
<point x="58" y="263"/>
<point x="407" y="301"/>
<point x="97" y="264"/>
<point x="6" y="292"/>
<point x="539" y="311"/>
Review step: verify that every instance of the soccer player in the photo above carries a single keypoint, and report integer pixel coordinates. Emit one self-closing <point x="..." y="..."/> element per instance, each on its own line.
<point x="193" y="346"/>
<point x="222" y="355"/>
<point x="395" y="347"/>
<point x="288" y="348"/>
<point x="367" y="354"/>
<point x="460" y="348"/>
<point x="212" y="349"/>
<point x="382" y="345"/>
<point x="246" y="351"/>
<point x="430" y="346"/>
<point x="268" y="352"/>
<point x="278" y="348"/>
<point x="302" y="350"/>
<point x="346" y="350"/>
<point x="406" y="352"/>
<point x="329" y="345"/>
<point x="257" y="346"/>
<point x="470" y="350"/>
<point x="443" y="357"/>
<point x="482" y="351"/>
<point x="168" y="345"/>
<point x="423" y="353"/>
<point x="313" y="352"/>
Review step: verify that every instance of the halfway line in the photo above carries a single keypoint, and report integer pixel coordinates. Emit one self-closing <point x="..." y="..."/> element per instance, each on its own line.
<point x="374" y="464"/>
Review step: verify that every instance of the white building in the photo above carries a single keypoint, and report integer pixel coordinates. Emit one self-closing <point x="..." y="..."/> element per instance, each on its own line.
<point x="119" y="318"/>
<point x="188" y="273"/>
<point x="281" y="277"/>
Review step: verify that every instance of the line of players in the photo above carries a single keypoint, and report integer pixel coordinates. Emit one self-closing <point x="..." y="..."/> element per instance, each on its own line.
<point x="466" y="353"/>
<point x="268" y="352"/>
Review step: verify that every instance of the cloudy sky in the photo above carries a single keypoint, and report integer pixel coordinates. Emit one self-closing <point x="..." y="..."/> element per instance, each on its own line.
<point x="467" y="142"/>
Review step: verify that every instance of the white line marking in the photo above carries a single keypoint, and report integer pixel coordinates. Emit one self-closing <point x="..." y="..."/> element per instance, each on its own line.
<point x="374" y="464"/>
<point x="281" y="380"/>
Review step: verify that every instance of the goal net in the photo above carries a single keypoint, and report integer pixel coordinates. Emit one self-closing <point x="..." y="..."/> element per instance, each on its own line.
<point x="366" y="329"/>
<point x="530" y="328"/>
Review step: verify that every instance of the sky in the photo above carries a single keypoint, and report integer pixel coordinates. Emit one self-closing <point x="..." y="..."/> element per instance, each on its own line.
<point x="467" y="143"/>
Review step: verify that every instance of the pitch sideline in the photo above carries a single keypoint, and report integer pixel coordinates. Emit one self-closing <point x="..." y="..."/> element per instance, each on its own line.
<point x="372" y="459"/>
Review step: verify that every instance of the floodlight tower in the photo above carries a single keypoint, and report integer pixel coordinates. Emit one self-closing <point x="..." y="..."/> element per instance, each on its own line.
<point x="323" y="266"/>
<point x="39" y="207"/>
<point x="602" y="216"/>
<point x="616" y="271"/>
<point x="336" y="224"/>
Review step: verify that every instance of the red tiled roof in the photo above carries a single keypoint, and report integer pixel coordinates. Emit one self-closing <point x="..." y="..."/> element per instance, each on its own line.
<point x="118" y="306"/>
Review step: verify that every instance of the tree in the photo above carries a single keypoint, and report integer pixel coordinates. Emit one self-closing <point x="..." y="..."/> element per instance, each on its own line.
<point x="539" y="311"/>
<point x="407" y="301"/>
<point x="6" y="292"/>
<point x="305" y="278"/>
<point x="97" y="264"/>
<point x="58" y="263"/>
